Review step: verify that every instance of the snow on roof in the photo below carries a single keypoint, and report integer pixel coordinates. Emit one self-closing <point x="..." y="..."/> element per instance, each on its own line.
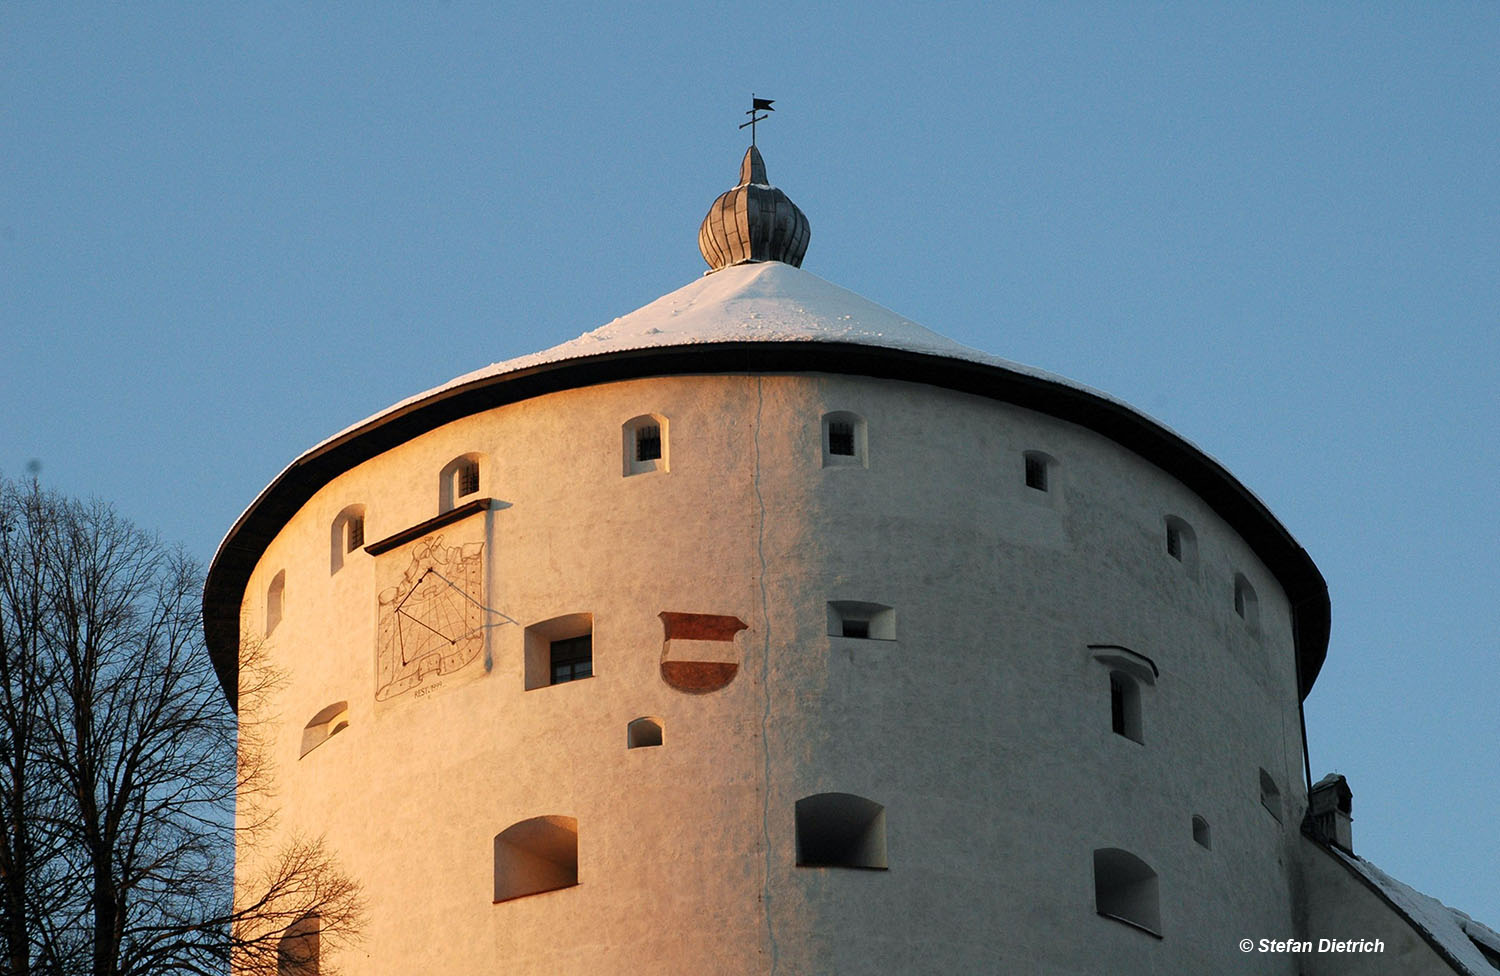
<point x="1449" y="928"/>
<point x="755" y="302"/>
<point x="763" y="302"/>
<point x="766" y="301"/>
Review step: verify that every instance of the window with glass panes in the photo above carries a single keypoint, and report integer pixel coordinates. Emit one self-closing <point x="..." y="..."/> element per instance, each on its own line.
<point x="572" y="659"/>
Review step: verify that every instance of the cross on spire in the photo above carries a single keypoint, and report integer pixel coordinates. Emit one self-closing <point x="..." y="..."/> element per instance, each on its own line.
<point x="757" y="105"/>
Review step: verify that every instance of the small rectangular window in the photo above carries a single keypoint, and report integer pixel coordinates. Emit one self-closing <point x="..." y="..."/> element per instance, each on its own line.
<point x="559" y="650"/>
<point x="1036" y="472"/>
<point x="861" y="621"/>
<point x="648" y="443"/>
<point x="356" y="532"/>
<point x="275" y="601"/>
<point x="468" y="478"/>
<point x="1174" y="542"/>
<point x="841" y="438"/>
<point x="1116" y="704"/>
<point x="1270" y="796"/>
<point x="856" y="628"/>
<point x="572" y="658"/>
<point x="1125" y="707"/>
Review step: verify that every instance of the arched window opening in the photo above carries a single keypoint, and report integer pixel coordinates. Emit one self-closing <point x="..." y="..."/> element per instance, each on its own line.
<point x="1182" y="542"/>
<point x="346" y="536"/>
<point x="1125" y="889"/>
<point x="1125" y="706"/>
<point x="1270" y="795"/>
<point x="275" y="601"/>
<point x="560" y="650"/>
<point x="648" y="442"/>
<point x="844" y="440"/>
<point x="329" y="722"/>
<point x="840" y="830"/>
<point x="458" y="482"/>
<point x="297" y="950"/>
<point x="1133" y="663"/>
<point x="536" y="855"/>
<point x="643" y="733"/>
<point x="644" y="444"/>
<point x="1041" y="471"/>
<point x="866" y="621"/>
<point x="840" y="438"/>
<point x="1201" y="835"/>
<point x="1246" y="605"/>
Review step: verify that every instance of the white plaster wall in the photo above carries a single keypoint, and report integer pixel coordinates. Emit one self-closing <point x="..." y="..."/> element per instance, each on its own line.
<point x="1341" y="907"/>
<point x="983" y="728"/>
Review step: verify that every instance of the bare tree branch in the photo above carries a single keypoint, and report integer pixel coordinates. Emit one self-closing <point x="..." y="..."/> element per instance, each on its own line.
<point x="120" y="764"/>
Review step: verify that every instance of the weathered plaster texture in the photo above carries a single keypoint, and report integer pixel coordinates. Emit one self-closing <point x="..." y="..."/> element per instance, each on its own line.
<point x="983" y="727"/>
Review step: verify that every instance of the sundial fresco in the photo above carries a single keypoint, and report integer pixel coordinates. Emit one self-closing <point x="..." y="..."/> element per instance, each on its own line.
<point x="432" y="622"/>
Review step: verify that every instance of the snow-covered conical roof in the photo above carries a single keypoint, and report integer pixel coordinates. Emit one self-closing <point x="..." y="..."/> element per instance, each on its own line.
<point x="760" y="302"/>
<point x="760" y="317"/>
<point x="758" y="313"/>
<point x="753" y="302"/>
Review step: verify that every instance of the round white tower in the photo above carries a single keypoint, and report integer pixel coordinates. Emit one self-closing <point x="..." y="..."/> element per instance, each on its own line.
<point x="763" y="630"/>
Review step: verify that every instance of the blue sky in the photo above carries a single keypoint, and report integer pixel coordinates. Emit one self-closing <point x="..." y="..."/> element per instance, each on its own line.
<point x="228" y="231"/>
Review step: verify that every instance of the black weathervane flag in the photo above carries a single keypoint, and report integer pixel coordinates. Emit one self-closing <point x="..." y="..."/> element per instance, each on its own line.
<point x="757" y="105"/>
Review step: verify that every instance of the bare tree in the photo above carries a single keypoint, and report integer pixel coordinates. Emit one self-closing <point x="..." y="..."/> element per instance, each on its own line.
<point x="294" y="901"/>
<point x="119" y="764"/>
<point x="33" y="886"/>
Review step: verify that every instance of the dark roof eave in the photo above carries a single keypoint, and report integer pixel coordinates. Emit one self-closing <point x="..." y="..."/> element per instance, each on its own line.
<point x="247" y="540"/>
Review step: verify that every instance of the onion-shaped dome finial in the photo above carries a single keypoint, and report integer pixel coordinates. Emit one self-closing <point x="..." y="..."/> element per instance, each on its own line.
<point x="753" y="222"/>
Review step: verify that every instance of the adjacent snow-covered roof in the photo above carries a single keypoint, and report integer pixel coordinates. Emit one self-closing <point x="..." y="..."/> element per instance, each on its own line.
<point x="1448" y="929"/>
